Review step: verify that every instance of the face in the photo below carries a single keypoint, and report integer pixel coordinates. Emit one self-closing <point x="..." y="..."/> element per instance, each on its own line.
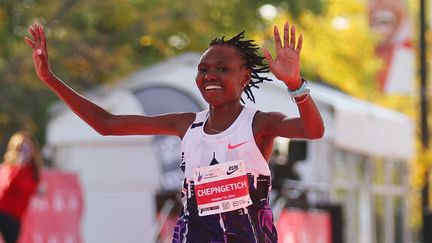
<point x="25" y="153"/>
<point x="385" y="18"/>
<point x="222" y="75"/>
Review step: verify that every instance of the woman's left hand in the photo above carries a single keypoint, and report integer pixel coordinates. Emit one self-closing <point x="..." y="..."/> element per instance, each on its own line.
<point x="286" y="65"/>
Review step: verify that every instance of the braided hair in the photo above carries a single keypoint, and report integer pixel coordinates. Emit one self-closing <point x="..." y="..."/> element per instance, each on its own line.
<point x="254" y="62"/>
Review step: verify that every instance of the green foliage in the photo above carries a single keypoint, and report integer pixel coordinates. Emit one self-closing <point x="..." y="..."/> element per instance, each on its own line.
<point x="339" y="48"/>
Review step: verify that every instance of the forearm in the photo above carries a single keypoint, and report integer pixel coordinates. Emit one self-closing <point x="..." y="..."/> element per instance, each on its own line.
<point x="95" y="116"/>
<point x="92" y="114"/>
<point x="310" y="116"/>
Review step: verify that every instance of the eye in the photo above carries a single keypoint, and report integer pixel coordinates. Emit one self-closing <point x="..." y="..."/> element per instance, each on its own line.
<point x="221" y="69"/>
<point x="202" y="70"/>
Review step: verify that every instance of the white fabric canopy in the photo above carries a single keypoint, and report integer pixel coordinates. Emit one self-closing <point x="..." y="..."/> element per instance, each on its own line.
<point x="367" y="128"/>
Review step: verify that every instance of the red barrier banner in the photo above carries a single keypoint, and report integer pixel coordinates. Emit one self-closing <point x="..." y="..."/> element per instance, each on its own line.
<point x="297" y="226"/>
<point x="54" y="215"/>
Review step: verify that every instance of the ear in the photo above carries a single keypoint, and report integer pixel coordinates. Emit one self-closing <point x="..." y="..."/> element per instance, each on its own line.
<point x="246" y="77"/>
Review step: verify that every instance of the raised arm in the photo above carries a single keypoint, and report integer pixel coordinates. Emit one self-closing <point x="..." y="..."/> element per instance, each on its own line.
<point x="99" y="119"/>
<point x="286" y="67"/>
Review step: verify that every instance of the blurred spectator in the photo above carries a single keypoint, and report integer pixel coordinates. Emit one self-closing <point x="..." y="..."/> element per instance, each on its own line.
<point x="19" y="177"/>
<point x="389" y="19"/>
<point x="283" y="168"/>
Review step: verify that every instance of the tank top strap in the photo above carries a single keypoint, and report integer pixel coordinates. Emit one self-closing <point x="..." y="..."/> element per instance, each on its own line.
<point x="249" y="114"/>
<point x="200" y="118"/>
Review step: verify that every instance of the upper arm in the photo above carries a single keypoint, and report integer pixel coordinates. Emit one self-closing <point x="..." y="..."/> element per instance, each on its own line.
<point x="166" y="124"/>
<point x="276" y="124"/>
<point x="309" y="125"/>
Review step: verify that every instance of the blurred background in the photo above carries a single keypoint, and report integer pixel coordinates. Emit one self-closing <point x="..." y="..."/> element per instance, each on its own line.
<point x="366" y="181"/>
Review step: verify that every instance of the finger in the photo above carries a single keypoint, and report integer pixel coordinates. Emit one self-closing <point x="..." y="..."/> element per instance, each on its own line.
<point x="293" y="37"/>
<point x="277" y="38"/>
<point x="32" y="32"/>
<point x="300" y="43"/>
<point x="286" y="34"/>
<point x="36" y="34"/>
<point x="39" y="41"/>
<point x="268" y="57"/>
<point x="29" y="42"/>
<point x="43" y="37"/>
<point x="34" y="27"/>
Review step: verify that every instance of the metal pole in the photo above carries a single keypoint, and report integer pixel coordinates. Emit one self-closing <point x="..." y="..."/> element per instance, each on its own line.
<point x="423" y="79"/>
<point x="424" y="129"/>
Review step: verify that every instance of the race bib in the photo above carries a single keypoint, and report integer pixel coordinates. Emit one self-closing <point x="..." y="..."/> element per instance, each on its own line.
<point x="221" y="188"/>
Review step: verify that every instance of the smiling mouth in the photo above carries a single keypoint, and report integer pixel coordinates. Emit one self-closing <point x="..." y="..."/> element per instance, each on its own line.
<point x="212" y="87"/>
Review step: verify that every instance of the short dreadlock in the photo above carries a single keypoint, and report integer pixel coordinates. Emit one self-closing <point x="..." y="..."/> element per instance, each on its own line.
<point x="253" y="61"/>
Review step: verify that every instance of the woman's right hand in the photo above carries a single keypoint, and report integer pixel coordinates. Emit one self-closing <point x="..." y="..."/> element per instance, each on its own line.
<point x="40" y="51"/>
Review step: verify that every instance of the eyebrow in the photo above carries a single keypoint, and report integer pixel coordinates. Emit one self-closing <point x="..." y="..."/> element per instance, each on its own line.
<point x="216" y="63"/>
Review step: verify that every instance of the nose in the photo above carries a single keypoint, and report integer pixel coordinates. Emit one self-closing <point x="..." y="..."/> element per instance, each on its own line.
<point x="210" y="76"/>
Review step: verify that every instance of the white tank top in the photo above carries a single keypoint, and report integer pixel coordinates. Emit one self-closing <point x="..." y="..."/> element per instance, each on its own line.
<point x="200" y="149"/>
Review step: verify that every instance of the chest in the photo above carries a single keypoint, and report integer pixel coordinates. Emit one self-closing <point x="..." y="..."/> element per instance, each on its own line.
<point x="200" y="150"/>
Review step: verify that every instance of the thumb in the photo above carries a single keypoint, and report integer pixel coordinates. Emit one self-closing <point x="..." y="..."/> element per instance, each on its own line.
<point x="268" y="57"/>
<point x="29" y="42"/>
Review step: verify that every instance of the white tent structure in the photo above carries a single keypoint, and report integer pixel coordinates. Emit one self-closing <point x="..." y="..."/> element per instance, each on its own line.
<point x="121" y="175"/>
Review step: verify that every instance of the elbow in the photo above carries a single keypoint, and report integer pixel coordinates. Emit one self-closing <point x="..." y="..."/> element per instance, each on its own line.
<point x="320" y="132"/>
<point x="104" y="132"/>
<point x="103" y="125"/>
<point x="103" y="129"/>
<point x="316" y="133"/>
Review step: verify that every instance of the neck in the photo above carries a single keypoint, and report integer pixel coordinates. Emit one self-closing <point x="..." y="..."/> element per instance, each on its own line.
<point x="220" y="118"/>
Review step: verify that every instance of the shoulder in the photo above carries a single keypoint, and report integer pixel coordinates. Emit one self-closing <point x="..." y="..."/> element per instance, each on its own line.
<point x="263" y="121"/>
<point x="263" y="118"/>
<point x="183" y="121"/>
<point x="187" y="116"/>
<point x="184" y="118"/>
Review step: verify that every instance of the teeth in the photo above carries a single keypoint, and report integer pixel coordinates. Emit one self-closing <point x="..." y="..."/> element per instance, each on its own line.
<point x="210" y="87"/>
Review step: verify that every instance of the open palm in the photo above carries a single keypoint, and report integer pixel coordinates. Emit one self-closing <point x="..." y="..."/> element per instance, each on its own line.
<point x="40" y="51"/>
<point x="286" y="65"/>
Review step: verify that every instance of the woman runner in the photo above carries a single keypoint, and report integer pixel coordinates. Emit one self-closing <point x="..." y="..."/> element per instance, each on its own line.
<point x="227" y="133"/>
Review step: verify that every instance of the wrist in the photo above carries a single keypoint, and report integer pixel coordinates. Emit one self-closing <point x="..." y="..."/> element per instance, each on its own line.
<point x="302" y="90"/>
<point x="294" y="85"/>
<point x="49" y="77"/>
